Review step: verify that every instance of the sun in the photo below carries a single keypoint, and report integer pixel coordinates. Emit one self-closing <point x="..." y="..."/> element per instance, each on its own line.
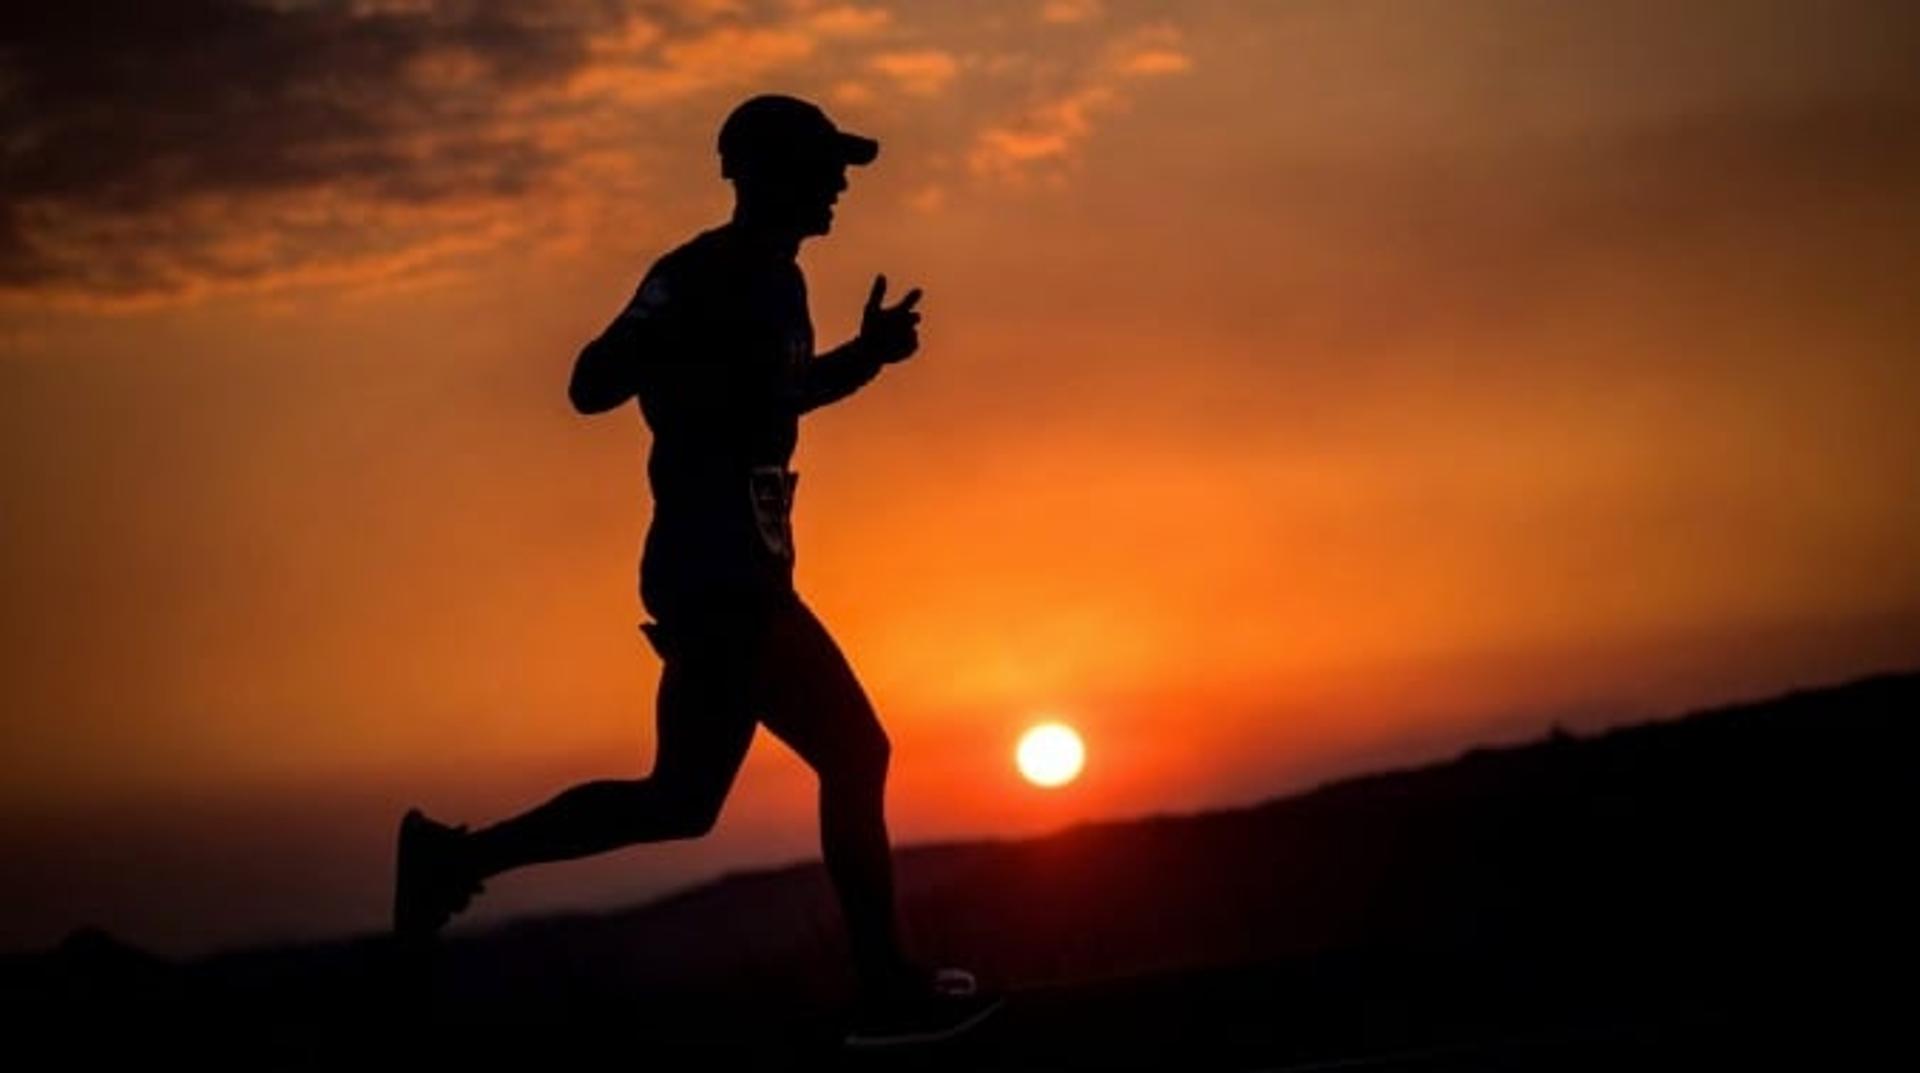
<point x="1050" y="754"/>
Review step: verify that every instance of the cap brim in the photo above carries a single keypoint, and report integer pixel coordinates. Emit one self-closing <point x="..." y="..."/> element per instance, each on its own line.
<point x="857" y="150"/>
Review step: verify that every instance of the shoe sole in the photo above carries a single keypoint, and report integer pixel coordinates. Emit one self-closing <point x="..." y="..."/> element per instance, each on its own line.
<point x="868" y="1042"/>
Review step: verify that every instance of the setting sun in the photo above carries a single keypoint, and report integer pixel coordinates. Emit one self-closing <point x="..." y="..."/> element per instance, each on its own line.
<point x="1050" y="754"/>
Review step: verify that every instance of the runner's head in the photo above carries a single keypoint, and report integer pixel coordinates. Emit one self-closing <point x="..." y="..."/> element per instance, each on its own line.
<point x="788" y="162"/>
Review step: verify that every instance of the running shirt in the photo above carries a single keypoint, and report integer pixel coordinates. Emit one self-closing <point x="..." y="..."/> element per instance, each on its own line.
<point x="722" y="362"/>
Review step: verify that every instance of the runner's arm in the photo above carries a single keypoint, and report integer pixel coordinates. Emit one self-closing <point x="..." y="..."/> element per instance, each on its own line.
<point x="887" y="334"/>
<point x="839" y="372"/>
<point x="602" y="378"/>
<point x="607" y="373"/>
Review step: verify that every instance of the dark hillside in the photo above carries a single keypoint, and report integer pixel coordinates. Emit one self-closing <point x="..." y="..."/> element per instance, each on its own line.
<point x="1722" y="876"/>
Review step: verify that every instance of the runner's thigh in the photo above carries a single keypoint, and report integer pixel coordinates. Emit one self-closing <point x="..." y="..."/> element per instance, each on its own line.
<point x="811" y="700"/>
<point x="703" y="719"/>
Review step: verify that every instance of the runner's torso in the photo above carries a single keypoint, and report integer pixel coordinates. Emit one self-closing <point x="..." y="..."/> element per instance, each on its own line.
<point x="728" y="331"/>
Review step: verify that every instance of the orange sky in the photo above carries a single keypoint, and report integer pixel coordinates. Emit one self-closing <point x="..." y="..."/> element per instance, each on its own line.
<point x="1305" y="387"/>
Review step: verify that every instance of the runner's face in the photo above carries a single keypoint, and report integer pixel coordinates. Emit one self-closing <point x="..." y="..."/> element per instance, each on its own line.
<point x="816" y="190"/>
<point x="799" y="197"/>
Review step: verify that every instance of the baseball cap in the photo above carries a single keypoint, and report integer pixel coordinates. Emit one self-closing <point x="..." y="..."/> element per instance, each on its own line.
<point x="776" y="130"/>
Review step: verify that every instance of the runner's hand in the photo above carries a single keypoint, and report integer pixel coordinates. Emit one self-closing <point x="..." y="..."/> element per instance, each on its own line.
<point x="892" y="334"/>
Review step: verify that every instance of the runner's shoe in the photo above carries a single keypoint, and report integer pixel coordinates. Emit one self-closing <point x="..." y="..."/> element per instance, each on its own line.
<point x="432" y="880"/>
<point x="940" y="1005"/>
<point x="952" y="981"/>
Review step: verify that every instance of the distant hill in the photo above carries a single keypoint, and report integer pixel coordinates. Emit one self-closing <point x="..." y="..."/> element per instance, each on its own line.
<point x="1697" y="870"/>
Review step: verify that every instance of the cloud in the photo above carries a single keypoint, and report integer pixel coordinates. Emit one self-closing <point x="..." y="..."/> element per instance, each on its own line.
<point x="1047" y="133"/>
<point x="1044" y="139"/>
<point x="924" y="72"/>
<point x="1070" y="11"/>
<point x="851" y="91"/>
<point x="1157" y="62"/>
<point x="190" y="151"/>
<point x="1151" y="50"/>
<point x="930" y="198"/>
<point x="114" y="146"/>
<point x="728" y="54"/>
<point x="849" y="20"/>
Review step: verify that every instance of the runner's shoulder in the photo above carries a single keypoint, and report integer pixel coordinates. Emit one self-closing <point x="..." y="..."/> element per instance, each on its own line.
<point x="687" y="274"/>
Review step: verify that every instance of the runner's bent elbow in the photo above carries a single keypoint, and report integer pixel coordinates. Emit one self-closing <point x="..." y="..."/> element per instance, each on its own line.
<point x="596" y="386"/>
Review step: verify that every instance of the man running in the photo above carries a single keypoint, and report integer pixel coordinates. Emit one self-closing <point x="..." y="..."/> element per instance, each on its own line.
<point x="717" y="346"/>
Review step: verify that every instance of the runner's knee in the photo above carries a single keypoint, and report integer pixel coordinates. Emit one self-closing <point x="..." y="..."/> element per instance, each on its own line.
<point x="694" y="817"/>
<point x="861" y="759"/>
<point x="688" y="811"/>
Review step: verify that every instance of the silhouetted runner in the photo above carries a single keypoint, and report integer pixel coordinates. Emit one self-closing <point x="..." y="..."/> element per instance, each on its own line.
<point x="717" y="345"/>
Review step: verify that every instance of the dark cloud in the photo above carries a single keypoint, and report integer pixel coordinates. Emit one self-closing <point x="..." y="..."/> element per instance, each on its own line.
<point x="121" y="108"/>
<point x="127" y="104"/>
<point x="152" y="151"/>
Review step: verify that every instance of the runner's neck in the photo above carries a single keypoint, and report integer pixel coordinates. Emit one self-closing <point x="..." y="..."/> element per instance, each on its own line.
<point x="772" y="242"/>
